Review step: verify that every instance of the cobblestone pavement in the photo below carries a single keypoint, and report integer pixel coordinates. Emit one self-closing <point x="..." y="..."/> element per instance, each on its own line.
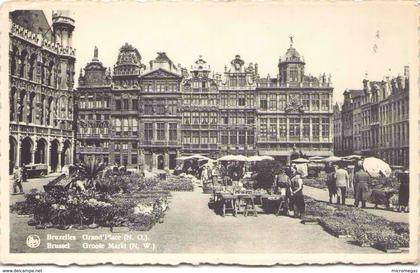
<point x="191" y="227"/>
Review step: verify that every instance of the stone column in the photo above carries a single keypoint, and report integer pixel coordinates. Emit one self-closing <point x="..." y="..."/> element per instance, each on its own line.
<point x="287" y="129"/>
<point x="33" y="152"/>
<point x="154" y="161"/>
<point x="18" y="151"/>
<point x="47" y="156"/>
<point x="59" y="151"/>
<point x="141" y="159"/>
<point x="166" y="161"/>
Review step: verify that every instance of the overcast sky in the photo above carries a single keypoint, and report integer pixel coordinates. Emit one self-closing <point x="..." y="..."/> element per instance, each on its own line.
<point x="337" y="39"/>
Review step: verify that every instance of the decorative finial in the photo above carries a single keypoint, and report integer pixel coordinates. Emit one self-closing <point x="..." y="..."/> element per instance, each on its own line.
<point x="291" y="40"/>
<point x="95" y="53"/>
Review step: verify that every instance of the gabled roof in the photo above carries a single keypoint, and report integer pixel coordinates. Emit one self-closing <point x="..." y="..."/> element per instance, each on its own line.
<point x="354" y="93"/>
<point x="160" y="73"/>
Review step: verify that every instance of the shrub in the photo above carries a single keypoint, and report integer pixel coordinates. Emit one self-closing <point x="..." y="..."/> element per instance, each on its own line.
<point x="266" y="170"/>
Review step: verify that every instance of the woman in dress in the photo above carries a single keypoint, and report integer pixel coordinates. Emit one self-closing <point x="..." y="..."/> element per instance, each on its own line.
<point x="403" y="192"/>
<point x="296" y="193"/>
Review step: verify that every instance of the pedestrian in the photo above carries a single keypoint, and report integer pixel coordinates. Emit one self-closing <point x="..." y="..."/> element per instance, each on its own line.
<point x="332" y="188"/>
<point x="215" y="174"/>
<point x="296" y="193"/>
<point x="342" y="183"/>
<point x="204" y="175"/>
<point x="403" y="192"/>
<point x="17" y="180"/>
<point x="24" y="171"/>
<point x="283" y="184"/>
<point x="361" y="185"/>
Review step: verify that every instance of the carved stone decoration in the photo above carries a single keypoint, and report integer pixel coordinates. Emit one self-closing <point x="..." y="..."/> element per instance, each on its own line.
<point x="294" y="104"/>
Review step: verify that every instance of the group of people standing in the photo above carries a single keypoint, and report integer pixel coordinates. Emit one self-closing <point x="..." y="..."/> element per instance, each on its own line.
<point x="290" y="187"/>
<point x="339" y="180"/>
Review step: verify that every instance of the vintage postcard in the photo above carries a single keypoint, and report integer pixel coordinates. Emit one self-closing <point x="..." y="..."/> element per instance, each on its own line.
<point x="252" y="133"/>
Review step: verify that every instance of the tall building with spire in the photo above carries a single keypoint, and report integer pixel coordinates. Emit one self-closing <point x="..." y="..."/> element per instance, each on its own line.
<point x="294" y="111"/>
<point x="41" y="76"/>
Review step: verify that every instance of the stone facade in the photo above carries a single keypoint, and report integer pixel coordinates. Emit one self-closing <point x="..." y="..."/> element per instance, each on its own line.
<point x="41" y="76"/>
<point x="375" y="120"/>
<point x="162" y="111"/>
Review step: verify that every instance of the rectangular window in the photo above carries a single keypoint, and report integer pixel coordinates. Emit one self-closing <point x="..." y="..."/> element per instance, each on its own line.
<point x="241" y="138"/>
<point x="118" y="104"/>
<point x="213" y="137"/>
<point x="282" y="128"/>
<point x="325" y="128"/>
<point x="187" y="137"/>
<point x="213" y="118"/>
<point x="186" y="116"/>
<point x="305" y="102"/>
<point x="249" y="100"/>
<point x="315" y="128"/>
<point x="232" y="100"/>
<point x="233" y="137"/>
<point x="204" y="138"/>
<point x="173" y="136"/>
<point x="282" y="102"/>
<point x="195" y="138"/>
<point x="273" y="129"/>
<point x="263" y="103"/>
<point x="315" y="102"/>
<point x="224" y="137"/>
<point x="273" y="102"/>
<point x="250" y="137"/>
<point x="306" y="128"/>
<point x="160" y="131"/>
<point x="125" y="104"/>
<point x="294" y="128"/>
<point x="196" y="118"/>
<point x="204" y="118"/>
<point x="324" y="102"/>
<point x="135" y="105"/>
<point x="148" y="131"/>
<point x="241" y="100"/>
<point x="263" y="129"/>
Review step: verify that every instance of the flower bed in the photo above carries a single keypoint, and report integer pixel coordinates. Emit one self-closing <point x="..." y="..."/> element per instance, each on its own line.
<point x="365" y="228"/>
<point x="176" y="183"/>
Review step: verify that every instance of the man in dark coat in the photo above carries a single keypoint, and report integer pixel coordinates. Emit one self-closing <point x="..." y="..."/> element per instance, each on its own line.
<point x="361" y="186"/>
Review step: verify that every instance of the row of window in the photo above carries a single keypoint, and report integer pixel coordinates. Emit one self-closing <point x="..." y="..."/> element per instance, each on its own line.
<point x="200" y="100"/>
<point x="90" y="103"/>
<point x="276" y="128"/>
<point x="160" y="87"/>
<point x="196" y="137"/>
<point x="234" y="137"/>
<point x="157" y="131"/>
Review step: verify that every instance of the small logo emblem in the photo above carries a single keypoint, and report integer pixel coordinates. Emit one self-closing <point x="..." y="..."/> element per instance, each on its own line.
<point x="33" y="241"/>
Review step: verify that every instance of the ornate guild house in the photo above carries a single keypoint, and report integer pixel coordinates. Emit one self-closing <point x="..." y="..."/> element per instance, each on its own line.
<point x="145" y="116"/>
<point x="41" y="76"/>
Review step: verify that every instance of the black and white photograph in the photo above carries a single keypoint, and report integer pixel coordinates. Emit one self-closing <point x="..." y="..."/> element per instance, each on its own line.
<point x="252" y="133"/>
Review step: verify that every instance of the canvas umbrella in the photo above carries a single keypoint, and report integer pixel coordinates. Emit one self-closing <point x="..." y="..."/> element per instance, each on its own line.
<point x="254" y="158"/>
<point x="267" y="157"/>
<point x="227" y="158"/>
<point x="375" y="166"/>
<point x="316" y="158"/>
<point x="332" y="159"/>
<point x="353" y="157"/>
<point x="240" y="158"/>
<point x="300" y="160"/>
